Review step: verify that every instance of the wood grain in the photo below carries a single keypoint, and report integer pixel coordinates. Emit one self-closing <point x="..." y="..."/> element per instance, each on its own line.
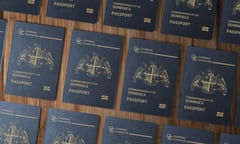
<point x="127" y="34"/>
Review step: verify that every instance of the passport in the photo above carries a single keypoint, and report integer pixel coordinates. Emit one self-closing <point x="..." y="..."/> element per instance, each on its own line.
<point x="35" y="59"/>
<point x="123" y="131"/>
<point x="207" y="87"/>
<point x="229" y="30"/>
<point x="150" y="77"/>
<point x="229" y="139"/>
<point x="68" y="127"/>
<point x="180" y="135"/>
<point x="138" y="14"/>
<point x="78" y="10"/>
<point x="190" y="18"/>
<point x="21" y="6"/>
<point x="3" y="24"/>
<point x="18" y="123"/>
<point x="92" y="71"/>
<point x="237" y="119"/>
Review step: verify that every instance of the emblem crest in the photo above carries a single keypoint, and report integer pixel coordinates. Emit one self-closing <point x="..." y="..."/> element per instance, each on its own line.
<point x="236" y="8"/>
<point x="10" y="134"/>
<point x="36" y="57"/>
<point x="68" y="138"/>
<point x="151" y="75"/>
<point x="94" y="66"/>
<point x="209" y="83"/>
<point x="195" y="4"/>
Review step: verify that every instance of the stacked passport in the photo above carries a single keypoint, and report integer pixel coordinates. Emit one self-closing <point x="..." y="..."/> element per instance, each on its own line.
<point x="35" y="59"/>
<point x="67" y="127"/>
<point x="207" y="87"/>
<point x="19" y="123"/>
<point x="189" y="18"/>
<point x="150" y="77"/>
<point x="22" y="6"/>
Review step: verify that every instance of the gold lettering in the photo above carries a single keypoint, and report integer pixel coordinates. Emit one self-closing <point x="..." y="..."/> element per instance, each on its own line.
<point x="200" y="99"/>
<point x="65" y="5"/>
<point x="233" y="25"/>
<point x="20" y="82"/>
<point x="76" y="91"/>
<point x="182" y="23"/>
<point x="121" y="7"/>
<point x="137" y="100"/>
<point x="79" y="85"/>
<point x="179" y="16"/>
<point x="194" y="108"/>
<point x="122" y="14"/>
<point x="234" y="32"/>
<point x="127" y="5"/>
<point x="21" y="76"/>
<point x="27" y="73"/>
<point x="194" y="101"/>
<point x="136" y="93"/>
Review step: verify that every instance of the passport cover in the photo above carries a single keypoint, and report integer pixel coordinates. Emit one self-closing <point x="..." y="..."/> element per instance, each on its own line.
<point x="179" y="135"/>
<point x="207" y="87"/>
<point x="137" y="14"/>
<point x="18" y="123"/>
<point x="229" y="139"/>
<point x="150" y="77"/>
<point x="190" y="18"/>
<point x="3" y="24"/>
<point x="92" y="71"/>
<point x="123" y="131"/>
<point x="35" y="60"/>
<point x="230" y="24"/>
<point x="22" y="6"/>
<point x="79" y="10"/>
<point x="68" y="127"/>
<point x="237" y="119"/>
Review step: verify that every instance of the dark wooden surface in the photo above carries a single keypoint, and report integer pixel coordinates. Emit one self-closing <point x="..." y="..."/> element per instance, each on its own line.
<point x="127" y="33"/>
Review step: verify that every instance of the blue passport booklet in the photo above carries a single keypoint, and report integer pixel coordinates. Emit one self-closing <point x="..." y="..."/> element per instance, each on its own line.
<point x="190" y="18"/>
<point x="78" y="10"/>
<point x="229" y="30"/>
<point x="35" y="60"/>
<point x="68" y="127"/>
<point x="92" y="71"/>
<point x="237" y="119"/>
<point x="22" y="6"/>
<point x="179" y="135"/>
<point x="150" y="77"/>
<point x="229" y="139"/>
<point x="207" y="87"/>
<point x="123" y="131"/>
<point x="18" y="123"/>
<point x="3" y="24"/>
<point x="138" y="14"/>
